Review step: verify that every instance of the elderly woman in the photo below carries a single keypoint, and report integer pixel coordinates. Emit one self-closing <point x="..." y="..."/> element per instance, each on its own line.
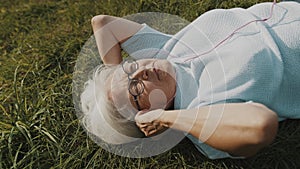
<point x="226" y="79"/>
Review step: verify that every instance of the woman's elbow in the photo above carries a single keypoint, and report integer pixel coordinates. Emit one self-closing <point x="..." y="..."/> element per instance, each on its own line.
<point x="267" y="127"/>
<point x="100" y="20"/>
<point x="265" y="131"/>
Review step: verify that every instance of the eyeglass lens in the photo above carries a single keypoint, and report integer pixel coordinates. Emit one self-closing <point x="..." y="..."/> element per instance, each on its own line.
<point x="130" y="66"/>
<point x="136" y="87"/>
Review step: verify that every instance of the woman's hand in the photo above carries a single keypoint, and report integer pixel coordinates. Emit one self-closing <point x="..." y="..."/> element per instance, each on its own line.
<point x="150" y="122"/>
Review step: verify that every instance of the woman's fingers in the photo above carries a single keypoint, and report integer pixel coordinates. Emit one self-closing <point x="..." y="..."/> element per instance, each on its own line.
<point x="151" y="132"/>
<point x="141" y="125"/>
<point x="150" y="128"/>
<point x="149" y="122"/>
<point x="147" y="127"/>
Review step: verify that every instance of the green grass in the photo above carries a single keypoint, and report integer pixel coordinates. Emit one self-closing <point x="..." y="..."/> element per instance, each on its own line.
<point x="39" y="44"/>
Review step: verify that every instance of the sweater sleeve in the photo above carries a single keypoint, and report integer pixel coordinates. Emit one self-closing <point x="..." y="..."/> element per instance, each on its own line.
<point x="146" y="43"/>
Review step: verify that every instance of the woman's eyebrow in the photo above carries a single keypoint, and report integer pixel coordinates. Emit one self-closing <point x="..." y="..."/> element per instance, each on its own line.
<point x="139" y="71"/>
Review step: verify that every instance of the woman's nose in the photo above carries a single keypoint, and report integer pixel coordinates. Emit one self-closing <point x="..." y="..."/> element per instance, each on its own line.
<point x="141" y="73"/>
<point x="145" y="74"/>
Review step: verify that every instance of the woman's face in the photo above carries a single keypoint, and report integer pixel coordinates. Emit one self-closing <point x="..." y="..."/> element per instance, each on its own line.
<point x="159" y="79"/>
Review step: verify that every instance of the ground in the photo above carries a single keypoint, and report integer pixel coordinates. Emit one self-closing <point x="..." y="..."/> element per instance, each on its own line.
<point x="39" y="44"/>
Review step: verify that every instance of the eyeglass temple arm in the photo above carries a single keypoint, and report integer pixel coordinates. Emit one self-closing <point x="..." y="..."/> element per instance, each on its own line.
<point x="136" y="102"/>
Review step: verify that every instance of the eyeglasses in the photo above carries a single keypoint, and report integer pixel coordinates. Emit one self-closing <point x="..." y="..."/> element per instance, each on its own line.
<point x="135" y="86"/>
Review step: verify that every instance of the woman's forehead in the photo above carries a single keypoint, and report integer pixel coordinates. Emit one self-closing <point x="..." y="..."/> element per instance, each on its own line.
<point x="118" y="78"/>
<point x="119" y="91"/>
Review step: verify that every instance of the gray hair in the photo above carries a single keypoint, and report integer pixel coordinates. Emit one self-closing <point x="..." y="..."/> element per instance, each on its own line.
<point x="101" y="117"/>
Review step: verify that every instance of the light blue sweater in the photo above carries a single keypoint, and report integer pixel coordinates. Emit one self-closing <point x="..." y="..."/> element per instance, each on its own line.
<point x="259" y="63"/>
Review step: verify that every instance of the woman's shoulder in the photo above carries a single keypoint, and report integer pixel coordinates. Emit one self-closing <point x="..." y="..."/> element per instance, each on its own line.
<point x="224" y="14"/>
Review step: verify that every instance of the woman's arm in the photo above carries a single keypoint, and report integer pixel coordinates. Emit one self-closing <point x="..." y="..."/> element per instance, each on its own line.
<point x="109" y="33"/>
<point x="238" y="128"/>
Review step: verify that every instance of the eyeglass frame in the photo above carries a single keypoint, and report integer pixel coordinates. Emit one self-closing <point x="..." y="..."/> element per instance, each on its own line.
<point x="130" y="80"/>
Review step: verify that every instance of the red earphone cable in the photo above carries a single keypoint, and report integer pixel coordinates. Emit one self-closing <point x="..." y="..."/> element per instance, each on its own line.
<point x="229" y="36"/>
